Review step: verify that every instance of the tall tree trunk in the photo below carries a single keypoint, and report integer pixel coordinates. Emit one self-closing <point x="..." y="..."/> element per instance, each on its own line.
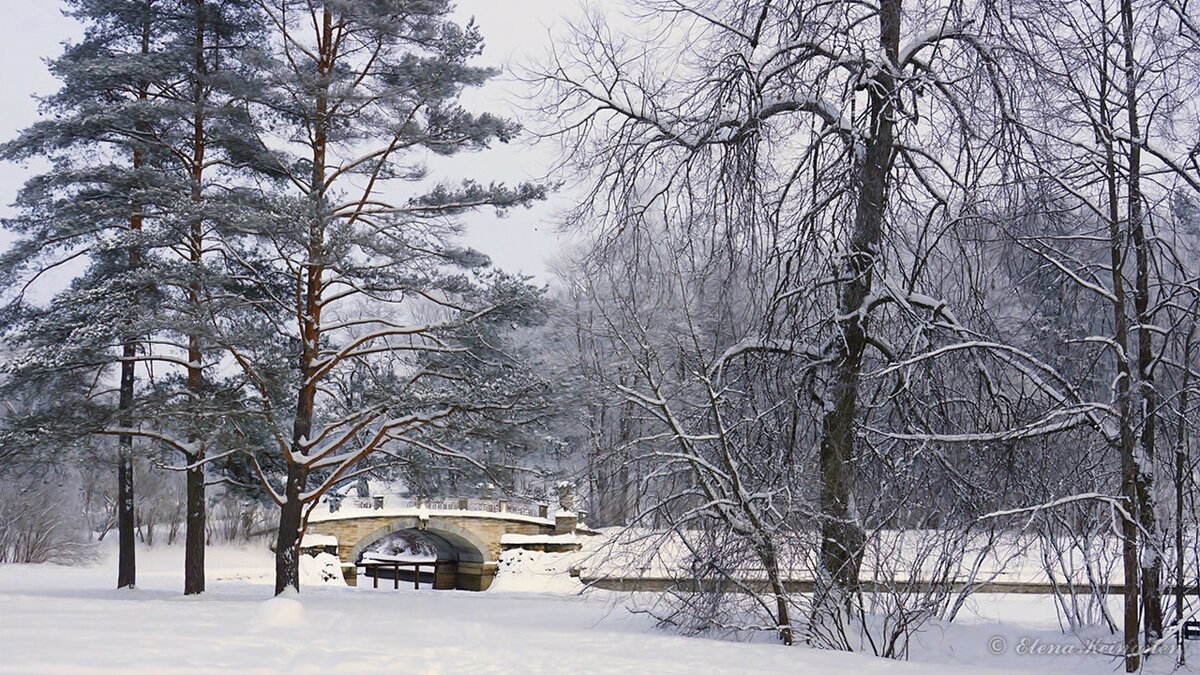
<point x="126" y="517"/>
<point x="1181" y="476"/>
<point x="841" y="534"/>
<point x="126" y="522"/>
<point x="626" y="489"/>
<point x="193" y="563"/>
<point x="291" y="525"/>
<point x="770" y="561"/>
<point x="308" y="316"/>
<point x="1129" y="470"/>
<point x="1126" y="440"/>
<point x="1151" y="559"/>
<point x="126" y="565"/>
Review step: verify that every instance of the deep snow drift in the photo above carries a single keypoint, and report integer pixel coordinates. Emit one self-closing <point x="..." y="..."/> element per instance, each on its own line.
<point x="65" y="620"/>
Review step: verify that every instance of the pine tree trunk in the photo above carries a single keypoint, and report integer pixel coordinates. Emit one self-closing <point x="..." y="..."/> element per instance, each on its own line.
<point x="126" y="523"/>
<point x="193" y="564"/>
<point x="287" y="544"/>
<point x="841" y="534"/>
<point x="291" y="511"/>
<point x="193" y="561"/>
<point x="126" y="564"/>
<point x="311" y="288"/>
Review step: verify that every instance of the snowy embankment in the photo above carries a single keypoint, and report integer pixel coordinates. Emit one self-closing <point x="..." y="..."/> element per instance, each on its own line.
<point x="68" y="620"/>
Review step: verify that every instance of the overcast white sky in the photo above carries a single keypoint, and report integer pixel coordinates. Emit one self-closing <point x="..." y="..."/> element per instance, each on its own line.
<point x="516" y="30"/>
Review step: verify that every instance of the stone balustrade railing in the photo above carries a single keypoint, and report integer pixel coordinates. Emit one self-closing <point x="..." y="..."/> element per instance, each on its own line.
<point x="501" y="505"/>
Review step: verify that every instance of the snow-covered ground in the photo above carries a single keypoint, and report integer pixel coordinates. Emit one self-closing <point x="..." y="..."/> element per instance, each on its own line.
<point x="69" y="620"/>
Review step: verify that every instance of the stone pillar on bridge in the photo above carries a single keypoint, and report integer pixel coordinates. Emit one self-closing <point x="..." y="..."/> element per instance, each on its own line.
<point x="566" y="519"/>
<point x="566" y="495"/>
<point x="565" y="522"/>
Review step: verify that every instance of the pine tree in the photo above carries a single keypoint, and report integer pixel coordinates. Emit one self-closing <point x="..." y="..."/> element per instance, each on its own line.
<point x="93" y="206"/>
<point x="361" y="90"/>
<point x="207" y="137"/>
<point x="148" y="118"/>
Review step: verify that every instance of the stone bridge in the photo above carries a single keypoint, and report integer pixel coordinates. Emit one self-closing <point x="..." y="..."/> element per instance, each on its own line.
<point x="467" y="533"/>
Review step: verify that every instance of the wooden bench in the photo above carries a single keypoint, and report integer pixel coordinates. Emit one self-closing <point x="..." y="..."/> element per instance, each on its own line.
<point x="395" y="566"/>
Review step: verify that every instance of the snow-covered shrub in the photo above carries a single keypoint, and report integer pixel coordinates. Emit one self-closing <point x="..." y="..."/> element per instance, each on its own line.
<point x="234" y="520"/>
<point x="918" y="577"/>
<point x="535" y="571"/>
<point x="159" y="500"/>
<point x="322" y="568"/>
<point x="159" y="503"/>
<point x="40" y="522"/>
<point x="1080" y="555"/>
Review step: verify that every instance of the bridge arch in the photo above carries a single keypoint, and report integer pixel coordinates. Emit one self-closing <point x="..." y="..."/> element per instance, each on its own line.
<point x="467" y="547"/>
<point x="468" y="542"/>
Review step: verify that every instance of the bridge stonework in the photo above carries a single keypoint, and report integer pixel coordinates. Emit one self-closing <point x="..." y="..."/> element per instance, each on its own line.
<point x="475" y="538"/>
